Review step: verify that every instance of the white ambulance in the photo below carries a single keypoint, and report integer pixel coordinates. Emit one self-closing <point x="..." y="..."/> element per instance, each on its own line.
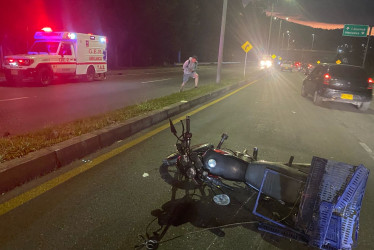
<point x="59" y="54"/>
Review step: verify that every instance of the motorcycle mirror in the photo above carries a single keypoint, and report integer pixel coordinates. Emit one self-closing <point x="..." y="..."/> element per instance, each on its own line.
<point x="172" y="128"/>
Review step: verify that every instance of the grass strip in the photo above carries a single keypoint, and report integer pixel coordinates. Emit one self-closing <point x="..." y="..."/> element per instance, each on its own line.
<point x="12" y="147"/>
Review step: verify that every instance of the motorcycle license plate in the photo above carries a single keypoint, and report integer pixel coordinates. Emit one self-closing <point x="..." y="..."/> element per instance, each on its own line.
<point x="346" y="96"/>
<point x="14" y="72"/>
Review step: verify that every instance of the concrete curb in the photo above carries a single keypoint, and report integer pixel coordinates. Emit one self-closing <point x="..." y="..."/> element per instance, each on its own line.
<point x="19" y="171"/>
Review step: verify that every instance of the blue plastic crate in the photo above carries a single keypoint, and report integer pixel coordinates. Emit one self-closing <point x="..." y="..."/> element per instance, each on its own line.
<point x="356" y="182"/>
<point x="333" y="236"/>
<point x="323" y="221"/>
<point x="332" y="198"/>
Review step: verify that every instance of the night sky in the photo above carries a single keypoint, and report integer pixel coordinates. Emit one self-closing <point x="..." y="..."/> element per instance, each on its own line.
<point x="327" y="14"/>
<point x="154" y="32"/>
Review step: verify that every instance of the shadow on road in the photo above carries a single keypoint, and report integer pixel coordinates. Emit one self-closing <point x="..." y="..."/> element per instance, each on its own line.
<point x="342" y="107"/>
<point x="196" y="206"/>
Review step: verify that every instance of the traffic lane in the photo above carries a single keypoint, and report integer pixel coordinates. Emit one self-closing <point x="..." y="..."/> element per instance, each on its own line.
<point x="109" y="205"/>
<point x="102" y="210"/>
<point x="121" y="208"/>
<point x="41" y="107"/>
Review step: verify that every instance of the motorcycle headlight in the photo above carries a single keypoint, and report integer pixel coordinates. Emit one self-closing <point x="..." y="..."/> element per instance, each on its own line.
<point x="212" y="163"/>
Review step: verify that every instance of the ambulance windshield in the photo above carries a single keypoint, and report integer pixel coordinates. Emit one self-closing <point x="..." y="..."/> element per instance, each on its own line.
<point x="44" y="47"/>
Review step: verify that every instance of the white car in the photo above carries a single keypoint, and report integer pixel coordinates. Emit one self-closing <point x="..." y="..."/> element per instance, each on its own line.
<point x="286" y="66"/>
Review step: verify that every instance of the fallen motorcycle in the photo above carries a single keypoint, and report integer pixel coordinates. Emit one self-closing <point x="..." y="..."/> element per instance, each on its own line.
<point x="327" y="193"/>
<point x="206" y="164"/>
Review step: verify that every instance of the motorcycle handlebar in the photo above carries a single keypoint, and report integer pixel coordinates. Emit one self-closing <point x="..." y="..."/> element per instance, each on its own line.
<point x="188" y="124"/>
<point x="223" y="138"/>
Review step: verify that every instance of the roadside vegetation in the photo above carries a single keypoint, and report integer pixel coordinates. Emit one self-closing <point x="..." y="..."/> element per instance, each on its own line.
<point x="12" y="147"/>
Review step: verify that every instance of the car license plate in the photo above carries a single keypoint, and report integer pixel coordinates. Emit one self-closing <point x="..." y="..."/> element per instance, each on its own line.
<point x="14" y="72"/>
<point x="347" y="96"/>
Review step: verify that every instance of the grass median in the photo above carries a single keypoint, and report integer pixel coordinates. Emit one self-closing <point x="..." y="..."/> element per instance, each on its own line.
<point x="12" y="147"/>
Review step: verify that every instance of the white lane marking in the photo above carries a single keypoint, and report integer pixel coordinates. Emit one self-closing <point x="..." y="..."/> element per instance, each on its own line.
<point x="366" y="147"/>
<point x="14" y="99"/>
<point x="157" y="80"/>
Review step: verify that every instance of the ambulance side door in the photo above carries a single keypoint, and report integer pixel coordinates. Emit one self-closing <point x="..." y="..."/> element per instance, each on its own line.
<point x="67" y="59"/>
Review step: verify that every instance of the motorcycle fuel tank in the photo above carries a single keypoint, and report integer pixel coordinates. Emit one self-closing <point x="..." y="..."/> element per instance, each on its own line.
<point x="225" y="165"/>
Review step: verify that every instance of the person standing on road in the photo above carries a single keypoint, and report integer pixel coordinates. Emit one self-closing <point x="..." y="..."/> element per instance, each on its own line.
<point x="189" y="70"/>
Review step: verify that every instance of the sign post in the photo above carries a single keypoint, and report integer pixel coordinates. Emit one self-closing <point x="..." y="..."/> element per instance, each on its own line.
<point x="247" y="46"/>
<point x="367" y="46"/>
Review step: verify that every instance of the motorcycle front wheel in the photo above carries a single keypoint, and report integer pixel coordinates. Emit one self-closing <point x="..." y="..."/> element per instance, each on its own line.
<point x="172" y="175"/>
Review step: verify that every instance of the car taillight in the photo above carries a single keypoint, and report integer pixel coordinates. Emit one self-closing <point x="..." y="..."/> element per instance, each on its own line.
<point x="25" y="62"/>
<point x="326" y="78"/>
<point x="370" y="83"/>
<point x="9" y="61"/>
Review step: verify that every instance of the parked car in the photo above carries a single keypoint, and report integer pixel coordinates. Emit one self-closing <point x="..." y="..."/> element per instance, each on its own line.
<point x="286" y="65"/>
<point x="339" y="83"/>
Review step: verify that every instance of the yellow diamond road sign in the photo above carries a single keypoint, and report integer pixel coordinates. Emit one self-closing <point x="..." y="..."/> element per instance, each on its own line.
<point x="273" y="56"/>
<point x="318" y="62"/>
<point x="338" y="62"/>
<point x="247" y="46"/>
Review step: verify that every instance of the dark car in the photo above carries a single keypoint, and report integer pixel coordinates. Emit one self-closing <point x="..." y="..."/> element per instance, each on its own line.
<point x="339" y="83"/>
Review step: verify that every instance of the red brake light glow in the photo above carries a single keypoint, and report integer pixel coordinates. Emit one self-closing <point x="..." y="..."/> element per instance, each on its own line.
<point x="326" y="78"/>
<point x="370" y="83"/>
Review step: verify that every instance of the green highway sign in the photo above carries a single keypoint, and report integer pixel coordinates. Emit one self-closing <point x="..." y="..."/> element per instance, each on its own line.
<point x="355" y="30"/>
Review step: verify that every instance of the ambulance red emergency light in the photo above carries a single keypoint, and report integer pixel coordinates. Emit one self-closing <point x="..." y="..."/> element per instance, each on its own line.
<point x="59" y="54"/>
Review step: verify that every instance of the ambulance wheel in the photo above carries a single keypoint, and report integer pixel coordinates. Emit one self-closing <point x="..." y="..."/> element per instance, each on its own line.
<point x="90" y="76"/>
<point x="45" y="76"/>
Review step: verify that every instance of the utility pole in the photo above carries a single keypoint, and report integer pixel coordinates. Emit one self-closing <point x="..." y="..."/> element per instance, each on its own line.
<point x="367" y="46"/>
<point x="279" y="34"/>
<point x="221" y="41"/>
<point x="271" y="21"/>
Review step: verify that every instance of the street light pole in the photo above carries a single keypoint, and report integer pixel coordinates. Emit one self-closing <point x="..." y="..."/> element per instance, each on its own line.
<point x="312" y="41"/>
<point x="279" y="34"/>
<point x="271" y="21"/>
<point x="221" y="41"/>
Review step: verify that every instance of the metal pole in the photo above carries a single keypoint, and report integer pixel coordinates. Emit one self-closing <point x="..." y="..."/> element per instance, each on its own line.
<point x="221" y="41"/>
<point x="367" y="46"/>
<point x="279" y="34"/>
<point x="245" y="62"/>
<point x="312" y="41"/>
<point x="271" y="21"/>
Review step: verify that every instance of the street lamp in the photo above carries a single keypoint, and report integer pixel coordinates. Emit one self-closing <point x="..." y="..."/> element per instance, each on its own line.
<point x="279" y="34"/>
<point x="312" y="41"/>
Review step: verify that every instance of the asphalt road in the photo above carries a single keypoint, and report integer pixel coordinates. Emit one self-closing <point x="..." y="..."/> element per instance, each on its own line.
<point x="27" y="107"/>
<point x="125" y="193"/>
